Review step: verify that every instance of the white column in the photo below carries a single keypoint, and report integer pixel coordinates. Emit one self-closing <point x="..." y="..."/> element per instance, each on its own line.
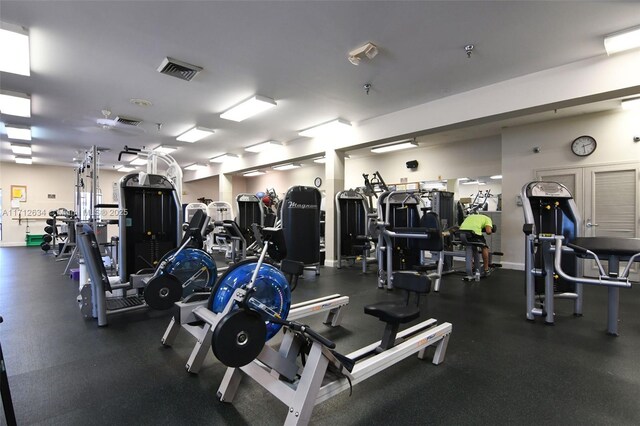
<point x="333" y="183"/>
<point x="225" y="188"/>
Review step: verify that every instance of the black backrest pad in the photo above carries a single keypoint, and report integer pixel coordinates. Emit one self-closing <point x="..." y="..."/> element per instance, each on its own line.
<point x="353" y="224"/>
<point x="195" y="228"/>
<point x="92" y="257"/>
<point x="301" y="224"/>
<point x="412" y="282"/>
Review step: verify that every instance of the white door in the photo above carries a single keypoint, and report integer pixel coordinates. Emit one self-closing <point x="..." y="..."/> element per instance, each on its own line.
<point x="613" y="207"/>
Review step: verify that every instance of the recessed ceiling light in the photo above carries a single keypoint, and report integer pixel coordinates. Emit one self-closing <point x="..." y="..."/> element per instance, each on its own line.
<point x="23" y="160"/>
<point x="125" y="169"/>
<point x="248" y="108"/>
<point x="463" y="179"/>
<point x="14" y="49"/>
<point x="623" y="40"/>
<point x="320" y="160"/>
<point x="326" y="129"/>
<point x="194" y="167"/>
<point x="21" y="133"/>
<point x="471" y="182"/>
<point x="165" y="149"/>
<point x="630" y="103"/>
<point x="254" y="173"/>
<point x="263" y="146"/>
<point x="21" y="149"/>
<point x="195" y="134"/>
<point x="496" y="177"/>
<point x="287" y="166"/>
<point x="222" y="158"/>
<point x="394" y="147"/>
<point x="12" y="103"/>
<point x="140" y="102"/>
<point x="139" y="162"/>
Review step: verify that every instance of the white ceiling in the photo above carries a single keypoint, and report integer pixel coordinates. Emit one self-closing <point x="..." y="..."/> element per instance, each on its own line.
<point x="91" y="55"/>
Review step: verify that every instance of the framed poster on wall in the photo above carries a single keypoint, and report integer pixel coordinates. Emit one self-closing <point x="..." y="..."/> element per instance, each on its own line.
<point x="19" y="193"/>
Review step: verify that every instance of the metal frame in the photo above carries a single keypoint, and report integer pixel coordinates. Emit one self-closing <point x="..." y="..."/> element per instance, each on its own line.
<point x="189" y="312"/>
<point x="310" y="389"/>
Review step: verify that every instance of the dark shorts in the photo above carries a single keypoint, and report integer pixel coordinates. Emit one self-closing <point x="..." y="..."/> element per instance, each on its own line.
<point x="475" y="238"/>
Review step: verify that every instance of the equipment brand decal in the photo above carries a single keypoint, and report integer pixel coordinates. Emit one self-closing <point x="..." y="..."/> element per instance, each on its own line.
<point x="294" y="205"/>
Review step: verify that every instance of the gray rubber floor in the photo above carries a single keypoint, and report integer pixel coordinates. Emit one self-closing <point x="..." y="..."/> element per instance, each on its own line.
<point x="499" y="369"/>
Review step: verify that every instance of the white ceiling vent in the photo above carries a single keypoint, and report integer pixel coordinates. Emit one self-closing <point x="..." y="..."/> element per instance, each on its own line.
<point x="179" y="69"/>
<point x="127" y="121"/>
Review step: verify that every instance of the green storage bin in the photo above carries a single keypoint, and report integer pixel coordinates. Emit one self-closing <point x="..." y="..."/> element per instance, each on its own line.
<point x="34" y="240"/>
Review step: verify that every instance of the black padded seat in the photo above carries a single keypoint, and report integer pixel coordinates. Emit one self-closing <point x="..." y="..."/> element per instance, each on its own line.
<point x="392" y="312"/>
<point x="425" y="268"/>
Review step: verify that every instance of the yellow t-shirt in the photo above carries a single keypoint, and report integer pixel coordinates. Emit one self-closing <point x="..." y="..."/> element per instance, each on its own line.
<point x="476" y="223"/>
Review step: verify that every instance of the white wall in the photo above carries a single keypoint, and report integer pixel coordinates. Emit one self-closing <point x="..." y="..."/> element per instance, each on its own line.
<point x="207" y="188"/>
<point x="476" y="157"/>
<point x="613" y="132"/>
<point x="281" y="181"/>
<point x="41" y="181"/>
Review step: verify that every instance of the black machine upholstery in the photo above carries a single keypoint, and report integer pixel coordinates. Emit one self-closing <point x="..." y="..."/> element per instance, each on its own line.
<point x="607" y="246"/>
<point x="196" y="229"/>
<point x="301" y="224"/>
<point x="401" y="312"/>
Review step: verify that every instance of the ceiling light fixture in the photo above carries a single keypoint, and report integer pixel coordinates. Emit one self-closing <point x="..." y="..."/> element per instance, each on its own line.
<point x="248" y="108"/>
<point x="395" y="147"/>
<point x="463" y="179"/>
<point x="222" y="158"/>
<point x="12" y="103"/>
<point x="125" y="169"/>
<point x="623" y="40"/>
<point x="631" y="103"/>
<point x="21" y="149"/>
<point x="195" y="166"/>
<point x="23" y="160"/>
<point x="496" y="177"/>
<point x="139" y="162"/>
<point x="253" y="173"/>
<point x="369" y="50"/>
<point x="320" y="160"/>
<point x="165" y="149"/>
<point x="194" y="134"/>
<point x="21" y="133"/>
<point x="471" y="182"/>
<point x="263" y="146"/>
<point x="326" y="129"/>
<point x="289" y="166"/>
<point x="14" y="49"/>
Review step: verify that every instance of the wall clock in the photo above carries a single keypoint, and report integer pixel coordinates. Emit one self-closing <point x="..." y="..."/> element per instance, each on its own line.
<point x="317" y="182"/>
<point x="583" y="146"/>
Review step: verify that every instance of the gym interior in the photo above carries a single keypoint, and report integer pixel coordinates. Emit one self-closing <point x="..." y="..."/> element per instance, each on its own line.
<point x="195" y="192"/>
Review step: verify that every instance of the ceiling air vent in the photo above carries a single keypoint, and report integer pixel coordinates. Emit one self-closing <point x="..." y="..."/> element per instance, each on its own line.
<point x="127" y="121"/>
<point x="179" y="69"/>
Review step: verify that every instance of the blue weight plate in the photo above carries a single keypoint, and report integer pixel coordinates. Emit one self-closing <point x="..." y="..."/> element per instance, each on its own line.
<point x="271" y="289"/>
<point x="194" y="265"/>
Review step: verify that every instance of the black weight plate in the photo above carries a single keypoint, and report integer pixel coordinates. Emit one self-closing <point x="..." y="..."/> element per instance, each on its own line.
<point x="45" y="246"/>
<point x="239" y="338"/>
<point x="47" y="238"/>
<point x="162" y="292"/>
<point x="50" y="222"/>
<point x="48" y="229"/>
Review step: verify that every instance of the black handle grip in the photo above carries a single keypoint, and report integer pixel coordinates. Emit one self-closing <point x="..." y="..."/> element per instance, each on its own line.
<point x="318" y="337"/>
<point x="577" y="248"/>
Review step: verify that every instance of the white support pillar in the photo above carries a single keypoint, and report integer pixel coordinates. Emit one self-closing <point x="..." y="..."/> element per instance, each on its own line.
<point x="334" y="183"/>
<point x="225" y="188"/>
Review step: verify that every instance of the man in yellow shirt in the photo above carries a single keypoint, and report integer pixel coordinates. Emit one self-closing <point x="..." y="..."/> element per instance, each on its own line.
<point x="477" y="223"/>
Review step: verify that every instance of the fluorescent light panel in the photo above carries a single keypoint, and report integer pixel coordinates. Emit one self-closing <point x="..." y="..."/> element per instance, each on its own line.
<point x="496" y="177"/>
<point x="21" y="133"/>
<point x="21" y="149"/>
<point x="623" y="40"/>
<point x="471" y="182"/>
<point x="23" y="160"/>
<point x="320" y="160"/>
<point x="254" y="173"/>
<point x="194" y="167"/>
<point x="263" y="146"/>
<point x="125" y="169"/>
<point x="14" y="50"/>
<point x="165" y="149"/>
<point x="630" y="103"/>
<point x="248" y="108"/>
<point x="195" y="134"/>
<point x="325" y="129"/>
<point x="395" y="147"/>
<point x="222" y="158"/>
<point x="12" y="103"/>
<point x="289" y="166"/>
<point x="139" y="162"/>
